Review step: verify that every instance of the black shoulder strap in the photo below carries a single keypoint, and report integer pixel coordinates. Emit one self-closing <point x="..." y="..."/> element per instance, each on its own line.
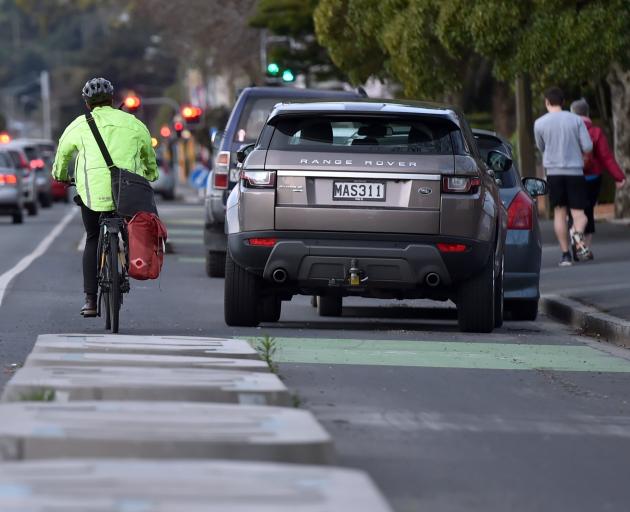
<point x="99" y="140"/>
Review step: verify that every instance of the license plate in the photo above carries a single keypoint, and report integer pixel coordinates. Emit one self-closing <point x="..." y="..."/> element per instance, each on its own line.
<point x="359" y="191"/>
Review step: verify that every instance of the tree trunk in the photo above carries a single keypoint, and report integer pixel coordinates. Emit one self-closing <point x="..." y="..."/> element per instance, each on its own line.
<point x="525" y="127"/>
<point x="503" y="109"/>
<point x="619" y="81"/>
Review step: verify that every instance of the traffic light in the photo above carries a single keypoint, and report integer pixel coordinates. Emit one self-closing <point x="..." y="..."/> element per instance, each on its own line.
<point x="288" y="76"/>
<point x="179" y="128"/>
<point x="191" y="114"/>
<point x="132" y="103"/>
<point x="4" y="138"/>
<point x="273" y="69"/>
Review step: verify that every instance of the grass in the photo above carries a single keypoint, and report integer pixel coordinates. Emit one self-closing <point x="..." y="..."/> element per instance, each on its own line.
<point x="266" y="348"/>
<point x="39" y="395"/>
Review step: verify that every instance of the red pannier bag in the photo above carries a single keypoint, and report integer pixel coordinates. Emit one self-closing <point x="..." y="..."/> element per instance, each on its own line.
<point x="147" y="240"/>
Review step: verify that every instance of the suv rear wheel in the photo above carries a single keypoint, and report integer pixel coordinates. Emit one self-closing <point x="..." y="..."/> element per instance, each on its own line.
<point x="18" y="216"/>
<point x="31" y="208"/>
<point x="270" y="309"/>
<point x="329" y="305"/>
<point x="242" y="295"/>
<point x="215" y="264"/>
<point x="475" y="301"/>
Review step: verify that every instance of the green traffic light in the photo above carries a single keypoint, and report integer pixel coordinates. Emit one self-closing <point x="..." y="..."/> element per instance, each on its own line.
<point x="273" y="68"/>
<point x="288" y="76"/>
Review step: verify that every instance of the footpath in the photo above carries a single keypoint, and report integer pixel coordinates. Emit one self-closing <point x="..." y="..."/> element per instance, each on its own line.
<point x="164" y="424"/>
<point x="594" y="296"/>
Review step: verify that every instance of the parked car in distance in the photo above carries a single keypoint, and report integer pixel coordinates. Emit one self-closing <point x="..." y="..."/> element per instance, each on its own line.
<point x="18" y="162"/>
<point x="11" y="193"/>
<point x="166" y="181"/>
<point x="40" y="154"/>
<point x="371" y="199"/>
<point x="243" y="127"/>
<point x="523" y="243"/>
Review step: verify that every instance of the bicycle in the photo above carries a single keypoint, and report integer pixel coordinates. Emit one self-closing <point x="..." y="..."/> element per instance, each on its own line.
<point x="113" y="280"/>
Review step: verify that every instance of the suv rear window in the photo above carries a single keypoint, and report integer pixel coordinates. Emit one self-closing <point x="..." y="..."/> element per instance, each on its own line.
<point x="5" y="160"/>
<point x="253" y="118"/>
<point x="367" y="134"/>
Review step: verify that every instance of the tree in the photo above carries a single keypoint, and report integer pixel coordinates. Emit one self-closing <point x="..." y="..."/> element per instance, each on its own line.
<point x="379" y="40"/>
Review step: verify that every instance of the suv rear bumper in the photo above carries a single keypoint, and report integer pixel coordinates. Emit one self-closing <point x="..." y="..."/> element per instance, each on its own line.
<point x="314" y="259"/>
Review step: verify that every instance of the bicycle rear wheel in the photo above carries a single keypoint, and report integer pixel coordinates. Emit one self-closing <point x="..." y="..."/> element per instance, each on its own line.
<point x="104" y="278"/>
<point x="114" y="287"/>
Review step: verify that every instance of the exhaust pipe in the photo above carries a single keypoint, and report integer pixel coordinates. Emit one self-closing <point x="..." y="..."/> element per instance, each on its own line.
<point x="432" y="279"/>
<point x="279" y="275"/>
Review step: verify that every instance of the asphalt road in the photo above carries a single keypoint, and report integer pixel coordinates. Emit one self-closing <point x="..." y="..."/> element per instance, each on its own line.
<point x="531" y="417"/>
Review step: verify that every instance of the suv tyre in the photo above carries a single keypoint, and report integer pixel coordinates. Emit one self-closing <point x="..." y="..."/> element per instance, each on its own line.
<point x="329" y="305"/>
<point x="215" y="264"/>
<point x="18" y="216"/>
<point x="270" y="309"/>
<point x="45" y="200"/>
<point x="31" y="208"/>
<point x="476" y="301"/>
<point x="242" y="295"/>
<point x="499" y="306"/>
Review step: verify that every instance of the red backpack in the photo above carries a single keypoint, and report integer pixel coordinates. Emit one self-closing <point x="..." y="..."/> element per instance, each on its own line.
<point x="147" y="238"/>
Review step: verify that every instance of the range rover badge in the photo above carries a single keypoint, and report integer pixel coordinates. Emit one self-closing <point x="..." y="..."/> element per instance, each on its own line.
<point x="424" y="191"/>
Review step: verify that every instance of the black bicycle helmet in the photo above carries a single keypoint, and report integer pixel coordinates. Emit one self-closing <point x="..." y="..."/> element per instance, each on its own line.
<point x="97" y="90"/>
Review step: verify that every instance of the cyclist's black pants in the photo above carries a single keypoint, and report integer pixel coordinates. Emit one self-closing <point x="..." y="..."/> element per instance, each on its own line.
<point x="90" y="258"/>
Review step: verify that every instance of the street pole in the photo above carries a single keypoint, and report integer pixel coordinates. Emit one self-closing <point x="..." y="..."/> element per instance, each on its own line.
<point x="44" y="79"/>
<point x="525" y="127"/>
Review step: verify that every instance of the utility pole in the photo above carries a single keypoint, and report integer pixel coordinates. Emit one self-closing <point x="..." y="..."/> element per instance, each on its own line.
<point x="44" y="79"/>
<point x="525" y="127"/>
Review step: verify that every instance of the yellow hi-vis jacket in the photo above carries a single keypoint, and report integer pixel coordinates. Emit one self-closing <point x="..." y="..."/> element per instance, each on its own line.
<point x="129" y="144"/>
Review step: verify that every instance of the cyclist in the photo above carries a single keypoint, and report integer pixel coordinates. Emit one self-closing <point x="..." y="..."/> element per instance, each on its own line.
<point x="129" y="143"/>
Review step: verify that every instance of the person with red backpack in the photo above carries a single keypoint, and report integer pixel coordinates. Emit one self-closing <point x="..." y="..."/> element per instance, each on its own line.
<point x="595" y="163"/>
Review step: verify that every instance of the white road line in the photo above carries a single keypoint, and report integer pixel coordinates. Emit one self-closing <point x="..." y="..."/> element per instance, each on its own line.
<point x="24" y="263"/>
<point x="82" y="242"/>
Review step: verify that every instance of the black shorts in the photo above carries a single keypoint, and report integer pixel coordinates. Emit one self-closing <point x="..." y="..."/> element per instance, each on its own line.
<point x="569" y="191"/>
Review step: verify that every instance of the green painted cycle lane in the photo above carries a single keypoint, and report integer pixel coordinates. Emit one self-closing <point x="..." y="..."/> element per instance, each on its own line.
<point x="449" y="354"/>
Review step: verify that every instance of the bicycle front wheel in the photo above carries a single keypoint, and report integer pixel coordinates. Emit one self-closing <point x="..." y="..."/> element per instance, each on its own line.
<point x="114" y="286"/>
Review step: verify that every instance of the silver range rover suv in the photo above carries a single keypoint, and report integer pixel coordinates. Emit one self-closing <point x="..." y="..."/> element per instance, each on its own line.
<point x="370" y="199"/>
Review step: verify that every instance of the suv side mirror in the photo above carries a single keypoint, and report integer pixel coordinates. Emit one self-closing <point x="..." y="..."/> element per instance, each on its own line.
<point x="498" y="161"/>
<point x="535" y="186"/>
<point x="243" y="151"/>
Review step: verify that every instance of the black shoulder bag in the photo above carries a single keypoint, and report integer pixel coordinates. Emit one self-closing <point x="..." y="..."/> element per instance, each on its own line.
<point x="131" y="192"/>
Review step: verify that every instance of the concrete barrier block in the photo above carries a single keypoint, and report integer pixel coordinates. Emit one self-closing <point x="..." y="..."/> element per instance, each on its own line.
<point x="128" y="344"/>
<point x="149" y="360"/>
<point x="161" y="430"/>
<point x="70" y="383"/>
<point x="184" y="486"/>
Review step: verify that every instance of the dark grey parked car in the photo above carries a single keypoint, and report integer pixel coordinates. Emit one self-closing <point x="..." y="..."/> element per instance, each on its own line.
<point x="523" y="244"/>
<point x="243" y="127"/>
<point x="371" y="199"/>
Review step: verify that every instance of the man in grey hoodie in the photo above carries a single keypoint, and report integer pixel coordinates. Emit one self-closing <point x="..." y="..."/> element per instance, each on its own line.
<point x="564" y="141"/>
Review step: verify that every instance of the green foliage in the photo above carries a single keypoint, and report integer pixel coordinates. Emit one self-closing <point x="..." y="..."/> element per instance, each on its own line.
<point x="285" y="17"/>
<point x="430" y="45"/>
<point x="266" y="348"/>
<point x="39" y="395"/>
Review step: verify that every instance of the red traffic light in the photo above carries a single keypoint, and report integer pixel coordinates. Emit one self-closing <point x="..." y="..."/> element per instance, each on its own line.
<point x="165" y="131"/>
<point x="132" y="103"/>
<point x="179" y="126"/>
<point x="191" y="114"/>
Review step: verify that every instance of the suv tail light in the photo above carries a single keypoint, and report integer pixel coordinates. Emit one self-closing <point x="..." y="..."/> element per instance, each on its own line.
<point x="259" y="179"/>
<point x="452" y="247"/>
<point x="221" y="170"/>
<point x="521" y="212"/>
<point x="460" y="184"/>
<point x="37" y="163"/>
<point x="8" y="179"/>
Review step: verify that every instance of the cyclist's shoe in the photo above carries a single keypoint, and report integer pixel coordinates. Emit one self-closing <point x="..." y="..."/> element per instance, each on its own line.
<point x="580" y="248"/>
<point x="89" y="308"/>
